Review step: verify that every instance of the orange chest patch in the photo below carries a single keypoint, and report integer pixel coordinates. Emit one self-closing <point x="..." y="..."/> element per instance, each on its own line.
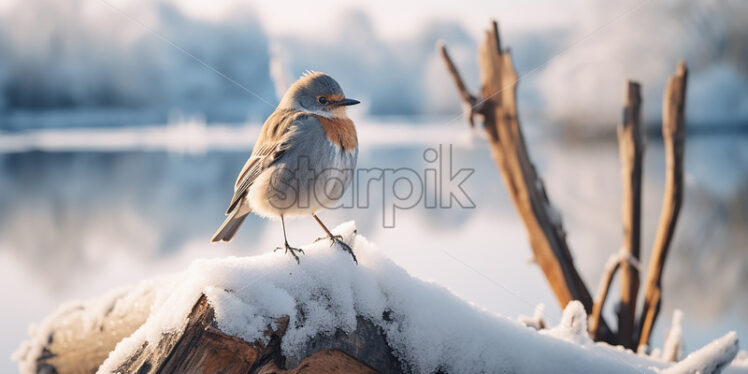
<point x="340" y="131"/>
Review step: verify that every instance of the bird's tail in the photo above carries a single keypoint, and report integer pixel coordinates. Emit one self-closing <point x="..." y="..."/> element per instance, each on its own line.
<point x="228" y="229"/>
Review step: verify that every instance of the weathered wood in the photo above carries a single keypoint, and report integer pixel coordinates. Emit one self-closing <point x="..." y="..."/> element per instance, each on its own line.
<point x="367" y="343"/>
<point x="202" y="347"/>
<point x="631" y="149"/>
<point x="469" y="101"/>
<point x="593" y="324"/>
<point x="328" y="361"/>
<point x="199" y="348"/>
<point x="76" y="344"/>
<point x="498" y="108"/>
<point x="673" y="133"/>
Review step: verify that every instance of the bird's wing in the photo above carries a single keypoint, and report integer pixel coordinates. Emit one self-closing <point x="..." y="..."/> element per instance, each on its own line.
<point x="271" y="145"/>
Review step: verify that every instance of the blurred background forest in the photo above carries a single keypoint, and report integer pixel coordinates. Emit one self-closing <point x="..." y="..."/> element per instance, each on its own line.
<point x="118" y="150"/>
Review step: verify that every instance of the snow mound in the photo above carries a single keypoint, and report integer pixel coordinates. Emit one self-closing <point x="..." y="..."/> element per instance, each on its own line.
<point x="573" y="325"/>
<point x="428" y="328"/>
<point x="710" y="359"/>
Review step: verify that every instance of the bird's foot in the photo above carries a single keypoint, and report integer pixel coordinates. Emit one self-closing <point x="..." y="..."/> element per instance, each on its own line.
<point x="338" y="239"/>
<point x="346" y="248"/>
<point x="292" y="250"/>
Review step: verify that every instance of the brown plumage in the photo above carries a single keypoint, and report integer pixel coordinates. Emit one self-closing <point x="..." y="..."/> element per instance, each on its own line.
<point x="340" y="131"/>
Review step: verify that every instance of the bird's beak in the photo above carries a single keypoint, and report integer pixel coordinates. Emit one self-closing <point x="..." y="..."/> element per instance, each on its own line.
<point x="347" y="101"/>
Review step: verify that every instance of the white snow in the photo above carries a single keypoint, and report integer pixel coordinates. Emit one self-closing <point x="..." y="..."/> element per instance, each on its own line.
<point x="671" y="350"/>
<point x="428" y="327"/>
<point x="741" y="360"/>
<point x="709" y="359"/>
<point x="573" y="325"/>
<point x="537" y="321"/>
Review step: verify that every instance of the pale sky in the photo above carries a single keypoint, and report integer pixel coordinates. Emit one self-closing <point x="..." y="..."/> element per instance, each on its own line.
<point x="392" y="18"/>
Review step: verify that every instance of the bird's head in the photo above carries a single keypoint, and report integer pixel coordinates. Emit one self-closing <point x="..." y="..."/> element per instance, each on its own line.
<point x="317" y="93"/>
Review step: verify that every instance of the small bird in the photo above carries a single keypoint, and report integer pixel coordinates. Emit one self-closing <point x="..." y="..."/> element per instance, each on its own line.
<point x="302" y="161"/>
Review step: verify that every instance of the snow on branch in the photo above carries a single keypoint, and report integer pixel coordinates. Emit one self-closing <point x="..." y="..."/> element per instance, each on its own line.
<point x="671" y="349"/>
<point x="712" y="358"/>
<point x="537" y="321"/>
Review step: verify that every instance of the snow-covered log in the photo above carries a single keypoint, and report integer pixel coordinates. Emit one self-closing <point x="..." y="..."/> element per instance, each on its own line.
<point x="267" y="314"/>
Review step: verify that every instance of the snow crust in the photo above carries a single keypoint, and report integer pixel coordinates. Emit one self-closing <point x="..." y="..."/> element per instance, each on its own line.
<point x="428" y="328"/>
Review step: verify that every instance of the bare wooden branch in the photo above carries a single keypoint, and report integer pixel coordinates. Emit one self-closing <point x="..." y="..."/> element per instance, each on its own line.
<point x="467" y="98"/>
<point x="631" y="149"/>
<point x="547" y="237"/>
<point x="614" y="262"/>
<point x="673" y="133"/>
<point x="498" y="108"/>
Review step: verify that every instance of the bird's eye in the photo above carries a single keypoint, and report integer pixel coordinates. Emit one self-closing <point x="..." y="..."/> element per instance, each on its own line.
<point x="322" y="100"/>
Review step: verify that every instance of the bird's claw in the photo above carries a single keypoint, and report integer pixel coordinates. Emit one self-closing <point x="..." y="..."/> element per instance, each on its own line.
<point x="339" y="240"/>
<point x="292" y="250"/>
<point x="332" y="240"/>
